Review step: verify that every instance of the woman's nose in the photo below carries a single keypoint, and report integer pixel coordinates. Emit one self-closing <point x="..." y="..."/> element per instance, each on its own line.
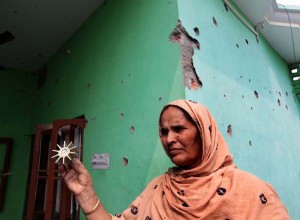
<point x="172" y="137"/>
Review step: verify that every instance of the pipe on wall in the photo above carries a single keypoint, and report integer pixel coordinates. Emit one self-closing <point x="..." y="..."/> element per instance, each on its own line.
<point x="241" y="18"/>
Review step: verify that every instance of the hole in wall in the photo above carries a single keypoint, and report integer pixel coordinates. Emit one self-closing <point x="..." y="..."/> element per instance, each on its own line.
<point x="249" y="80"/>
<point x="187" y="45"/>
<point x="256" y="94"/>
<point x="286" y="107"/>
<point x="132" y="129"/>
<point x="196" y="30"/>
<point x="229" y="130"/>
<point x="93" y="118"/>
<point x="237" y="46"/>
<point x="246" y="41"/>
<point x="278" y="102"/>
<point x="125" y="161"/>
<point x="122" y="115"/>
<point x="88" y="86"/>
<point x="160" y="99"/>
<point x="279" y="93"/>
<point x="224" y="96"/>
<point x="251" y="108"/>
<point x="215" y="21"/>
<point x="250" y="143"/>
<point x="286" y="93"/>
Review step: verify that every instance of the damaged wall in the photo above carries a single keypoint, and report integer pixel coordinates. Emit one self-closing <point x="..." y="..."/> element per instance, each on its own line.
<point x="247" y="88"/>
<point x="118" y="70"/>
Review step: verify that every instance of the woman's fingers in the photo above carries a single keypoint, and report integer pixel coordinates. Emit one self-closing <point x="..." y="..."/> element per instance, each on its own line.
<point x="62" y="170"/>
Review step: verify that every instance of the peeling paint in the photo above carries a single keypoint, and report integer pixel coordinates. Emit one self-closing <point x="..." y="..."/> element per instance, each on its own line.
<point x="187" y="46"/>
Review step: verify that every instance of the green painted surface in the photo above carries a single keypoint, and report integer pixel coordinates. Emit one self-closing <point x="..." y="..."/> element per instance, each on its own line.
<point x="121" y="61"/>
<point x="230" y="75"/>
<point x="17" y="90"/>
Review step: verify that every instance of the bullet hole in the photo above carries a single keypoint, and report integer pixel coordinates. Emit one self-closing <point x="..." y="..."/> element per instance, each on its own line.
<point x="286" y="107"/>
<point x="251" y="108"/>
<point x="249" y="80"/>
<point x="246" y="41"/>
<point x="286" y="93"/>
<point x="215" y="21"/>
<point x="241" y="76"/>
<point x="242" y="96"/>
<point x="88" y="86"/>
<point x="132" y="129"/>
<point x="196" y="31"/>
<point x="229" y="130"/>
<point x="237" y="46"/>
<point x="129" y="75"/>
<point x="187" y="46"/>
<point x="122" y="82"/>
<point x="93" y="118"/>
<point x="68" y="51"/>
<point x="250" y="143"/>
<point x="226" y="7"/>
<point x="160" y="99"/>
<point x="256" y="94"/>
<point x="122" y="115"/>
<point x="125" y="161"/>
<point x="273" y="109"/>
<point x="270" y="92"/>
<point x="224" y="96"/>
<point x="278" y="102"/>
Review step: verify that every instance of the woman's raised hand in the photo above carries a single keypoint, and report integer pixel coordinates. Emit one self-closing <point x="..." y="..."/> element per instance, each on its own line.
<point x="80" y="183"/>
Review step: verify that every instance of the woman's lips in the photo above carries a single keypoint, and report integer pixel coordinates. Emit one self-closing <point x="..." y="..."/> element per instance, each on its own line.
<point x="174" y="151"/>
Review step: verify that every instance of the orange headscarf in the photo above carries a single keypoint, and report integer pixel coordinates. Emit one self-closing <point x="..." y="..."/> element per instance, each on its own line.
<point x="215" y="189"/>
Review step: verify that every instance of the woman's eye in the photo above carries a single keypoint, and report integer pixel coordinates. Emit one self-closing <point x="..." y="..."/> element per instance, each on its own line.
<point x="178" y="129"/>
<point x="163" y="132"/>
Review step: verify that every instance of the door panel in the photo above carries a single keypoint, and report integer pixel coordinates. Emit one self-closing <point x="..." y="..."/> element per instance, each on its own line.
<point x="49" y="198"/>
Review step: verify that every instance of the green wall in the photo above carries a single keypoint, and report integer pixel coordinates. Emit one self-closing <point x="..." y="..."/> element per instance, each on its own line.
<point x="230" y="75"/>
<point x="17" y="90"/>
<point x="121" y="61"/>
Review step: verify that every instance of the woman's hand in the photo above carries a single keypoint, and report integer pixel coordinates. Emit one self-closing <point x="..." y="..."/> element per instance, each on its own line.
<point x="80" y="183"/>
<point x="76" y="177"/>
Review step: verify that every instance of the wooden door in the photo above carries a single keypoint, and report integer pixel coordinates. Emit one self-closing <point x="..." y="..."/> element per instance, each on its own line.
<point x="49" y="198"/>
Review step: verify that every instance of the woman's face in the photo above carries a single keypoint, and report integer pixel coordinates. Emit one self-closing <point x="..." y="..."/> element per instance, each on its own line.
<point x="180" y="138"/>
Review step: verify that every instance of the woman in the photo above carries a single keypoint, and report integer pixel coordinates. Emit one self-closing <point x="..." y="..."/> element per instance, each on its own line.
<point x="204" y="184"/>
